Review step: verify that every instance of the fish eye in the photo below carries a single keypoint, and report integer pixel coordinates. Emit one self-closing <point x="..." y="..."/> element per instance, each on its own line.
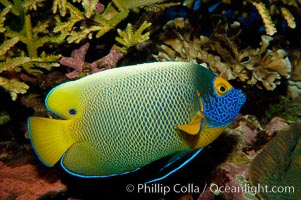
<point x="72" y="111"/>
<point x="222" y="89"/>
<point x="221" y="86"/>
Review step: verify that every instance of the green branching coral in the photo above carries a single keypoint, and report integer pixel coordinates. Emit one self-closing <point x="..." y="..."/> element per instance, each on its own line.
<point x="271" y="12"/>
<point x="129" y="37"/>
<point x="30" y="26"/>
<point x="103" y="18"/>
<point x="266" y="17"/>
<point x="261" y="66"/>
<point x="14" y="87"/>
<point x="281" y="8"/>
<point x="275" y="8"/>
<point x="33" y="37"/>
<point x="15" y="58"/>
<point x="3" y="14"/>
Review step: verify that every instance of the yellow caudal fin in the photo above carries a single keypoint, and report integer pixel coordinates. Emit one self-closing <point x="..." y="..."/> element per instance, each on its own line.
<point x="194" y="127"/>
<point x="50" y="138"/>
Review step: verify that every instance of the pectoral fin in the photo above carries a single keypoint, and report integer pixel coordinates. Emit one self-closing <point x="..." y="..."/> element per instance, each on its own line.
<point x="50" y="138"/>
<point x="194" y="127"/>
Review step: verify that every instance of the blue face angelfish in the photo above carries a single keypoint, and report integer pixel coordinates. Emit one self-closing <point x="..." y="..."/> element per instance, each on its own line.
<point x="122" y="119"/>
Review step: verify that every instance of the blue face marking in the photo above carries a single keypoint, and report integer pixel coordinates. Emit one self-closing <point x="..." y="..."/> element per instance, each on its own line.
<point x="221" y="110"/>
<point x="72" y="111"/>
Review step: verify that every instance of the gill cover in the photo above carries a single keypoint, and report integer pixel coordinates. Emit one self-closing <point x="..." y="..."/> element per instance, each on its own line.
<point x="223" y="105"/>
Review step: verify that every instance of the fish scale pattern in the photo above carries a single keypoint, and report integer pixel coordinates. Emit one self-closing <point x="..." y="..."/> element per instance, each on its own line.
<point x="132" y="120"/>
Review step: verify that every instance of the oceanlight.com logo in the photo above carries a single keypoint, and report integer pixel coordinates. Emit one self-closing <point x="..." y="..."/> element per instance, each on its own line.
<point x="158" y="188"/>
<point x="216" y="189"/>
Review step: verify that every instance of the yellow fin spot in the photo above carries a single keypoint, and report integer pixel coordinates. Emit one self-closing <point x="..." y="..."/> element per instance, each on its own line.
<point x="194" y="127"/>
<point x="50" y="138"/>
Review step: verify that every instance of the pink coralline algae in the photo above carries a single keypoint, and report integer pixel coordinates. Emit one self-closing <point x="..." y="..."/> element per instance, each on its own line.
<point x="276" y="124"/>
<point x="77" y="61"/>
<point x="251" y="136"/>
<point x="24" y="182"/>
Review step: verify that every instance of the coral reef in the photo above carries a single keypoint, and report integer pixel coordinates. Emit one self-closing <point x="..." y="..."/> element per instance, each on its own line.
<point x="29" y="27"/>
<point x="279" y="165"/>
<point x="261" y="66"/>
<point x="275" y="125"/>
<point x="272" y="13"/>
<point x="287" y="108"/>
<point x="24" y="182"/>
<point x="294" y="89"/>
<point x="4" y="118"/>
<point x="256" y="44"/>
<point x="37" y="34"/>
<point x="12" y="57"/>
<point x="266" y="18"/>
<point x="295" y="57"/>
<point x="82" y="68"/>
<point x="294" y="84"/>
<point x="275" y="7"/>
<point x="104" y="19"/>
<point x="127" y="39"/>
<point x="234" y="172"/>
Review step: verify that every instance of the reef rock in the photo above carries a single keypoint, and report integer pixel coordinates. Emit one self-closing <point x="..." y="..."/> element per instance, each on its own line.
<point x="278" y="168"/>
<point x="25" y="182"/>
<point x="295" y="57"/>
<point x="294" y="89"/>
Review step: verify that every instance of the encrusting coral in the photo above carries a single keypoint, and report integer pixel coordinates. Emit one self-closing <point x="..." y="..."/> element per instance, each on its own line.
<point x="278" y="165"/>
<point x="248" y="136"/>
<point x="24" y="181"/>
<point x="294" y="84"/>
<point x="261" y="66"/>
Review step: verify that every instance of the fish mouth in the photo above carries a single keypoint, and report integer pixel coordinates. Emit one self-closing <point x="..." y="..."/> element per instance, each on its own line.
<point x="242" y="98"/>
